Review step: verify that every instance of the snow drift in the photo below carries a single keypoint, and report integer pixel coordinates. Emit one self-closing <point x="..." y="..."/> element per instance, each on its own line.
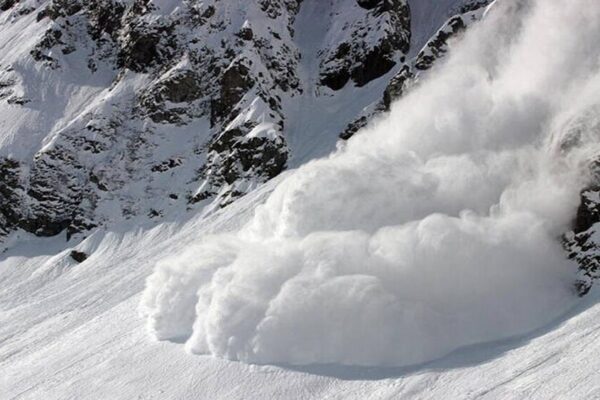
<point x="435" y="228"/>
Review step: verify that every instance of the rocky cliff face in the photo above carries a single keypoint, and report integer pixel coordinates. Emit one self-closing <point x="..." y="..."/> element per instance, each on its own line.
<point x="119" y="109"/>
<point x="411" y="69"/>
<point x="583" y="243"/>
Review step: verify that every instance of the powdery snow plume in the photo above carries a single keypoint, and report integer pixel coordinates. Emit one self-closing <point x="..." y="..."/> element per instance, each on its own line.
<point x="435" y="228"/>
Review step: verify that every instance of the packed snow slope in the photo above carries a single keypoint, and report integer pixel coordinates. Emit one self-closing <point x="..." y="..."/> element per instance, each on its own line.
<point x="435" y="228"/>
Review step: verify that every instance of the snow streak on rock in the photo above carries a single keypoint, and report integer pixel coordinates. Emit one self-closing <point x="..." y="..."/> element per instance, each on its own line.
<point x="433" y="229"/>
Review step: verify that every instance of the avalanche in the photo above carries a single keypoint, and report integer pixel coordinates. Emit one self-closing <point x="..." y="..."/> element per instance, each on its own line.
<point x="435" y="228"/>
<point x="432" y="237"/>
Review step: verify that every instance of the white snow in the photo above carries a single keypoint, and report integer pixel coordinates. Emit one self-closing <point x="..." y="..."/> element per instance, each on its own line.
<point x="74" y="332"/>
<point x="432" y="230"/>
<point x="428" y="232"/>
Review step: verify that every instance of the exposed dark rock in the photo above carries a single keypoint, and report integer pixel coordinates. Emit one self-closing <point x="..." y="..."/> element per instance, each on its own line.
<point x="408" y="74"/>
<point x="44" y="209"/>
<point x="51" y="38"/>
<point x="7" y="4"/>
<point x="363" y="58"/>
<point x="439" y="44"/>
<point x="96" y="180"/>
<point x="274" y="8"/>
<point x="369" y="4"/>
<point x="201" y="13"/>
<point x="154" y="213"/>
<point x="25" y="10"/>
<point x="55" y="194"/>
<point x="19" y="101"/>
<point x="583" y="243"/>
<point x="78" y="256"/>
<point x="588" y="212"/>
<point x="584" y="249"/>
<point x="233" y="157"/>
<point x="397" y="86"/>
<point x="376" y="63"/>
<point x="246" y="34"/>
<point x="105" y="17"/>
<point x="166" y="165"/>
<point x="335" y="80"/>
<point x="235" y="82"/>
<point x="145" y="46"/>
<point x="62" y="8"/>
<point x="41" y="15"/>
<point x="354" y="127"/>
<point x="10" y="195"/>
<point x="473" y="5"/>
<point x="209" y="12"/>
<point x="182" y="88"/>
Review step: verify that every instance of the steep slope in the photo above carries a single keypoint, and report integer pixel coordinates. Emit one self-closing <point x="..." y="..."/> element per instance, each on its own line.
<point x="118" y="109"/>
<point x="445" y="215"/>
<point x="436" y="228"/>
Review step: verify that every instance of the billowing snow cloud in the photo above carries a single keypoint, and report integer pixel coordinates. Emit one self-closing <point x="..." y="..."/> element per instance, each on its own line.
<point x="435" y="228"/>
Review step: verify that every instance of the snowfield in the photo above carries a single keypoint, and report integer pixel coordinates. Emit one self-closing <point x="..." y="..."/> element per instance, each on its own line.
<point x="74" y="331"/>
<point x="420" y="260"/>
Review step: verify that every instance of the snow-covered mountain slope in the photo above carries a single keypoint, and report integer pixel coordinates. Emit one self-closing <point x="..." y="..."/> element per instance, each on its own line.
<point x="72" y="331"/>
<point x="117" y="109"/>
<point x="423" y="259"/>
<point x="425" y="233"/>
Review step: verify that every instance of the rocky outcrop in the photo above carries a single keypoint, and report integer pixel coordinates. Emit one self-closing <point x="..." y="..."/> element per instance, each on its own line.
<point x="375" y="36"/>
<point x="410" y="70"/>
<point x="234" y="83"/>
<point x="169" y="100"/>
<point x="197" y="66"/>
<point x="7" y="4"/>
<point x="45" y="202"/>
<point x="397" y="86"/>
<point x="78" y="256"/>
<point x="145" y="45"/>
<point x="583" y="243"/>
<point x="188" y="103"/>
<point x="11" y="192"/>
<point x="241" y="157"/>
<point x="438" y="45"/>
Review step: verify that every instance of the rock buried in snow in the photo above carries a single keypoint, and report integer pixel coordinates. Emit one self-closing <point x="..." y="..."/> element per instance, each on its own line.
<point x="78" y="256"/>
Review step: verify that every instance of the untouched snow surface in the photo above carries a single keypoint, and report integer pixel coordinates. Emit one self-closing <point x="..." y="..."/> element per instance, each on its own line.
<point x="435" y="229"/>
